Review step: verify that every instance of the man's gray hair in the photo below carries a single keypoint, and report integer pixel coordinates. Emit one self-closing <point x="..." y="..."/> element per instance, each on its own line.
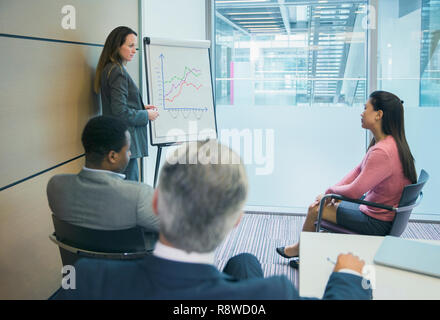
<point x="201" y="195"/>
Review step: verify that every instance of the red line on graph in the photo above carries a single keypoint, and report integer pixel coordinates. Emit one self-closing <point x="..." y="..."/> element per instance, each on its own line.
<point x="180" y="90"/>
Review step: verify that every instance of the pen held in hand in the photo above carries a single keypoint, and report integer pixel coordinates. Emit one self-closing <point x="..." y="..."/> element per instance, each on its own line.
<point x="330" y="260"/>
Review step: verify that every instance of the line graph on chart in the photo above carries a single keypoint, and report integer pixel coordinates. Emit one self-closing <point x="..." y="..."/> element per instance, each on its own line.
<point x="177" y="93"/>
<point x="180" y="85"/>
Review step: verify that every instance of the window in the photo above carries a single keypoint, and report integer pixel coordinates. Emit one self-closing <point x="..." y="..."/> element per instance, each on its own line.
<point x="288" y="54"/>
<point x="301" y="71"/>
<point x="409" y="66"/>
<point x="293" y="77"/>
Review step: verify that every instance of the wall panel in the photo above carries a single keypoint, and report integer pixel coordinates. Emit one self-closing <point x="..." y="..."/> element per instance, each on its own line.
<point x="47" y="95"/>
<point x="46" y="98"/>
<point x="46" y="102"/>
<point x="42" y="18"/>
<point x="30" y="264"/>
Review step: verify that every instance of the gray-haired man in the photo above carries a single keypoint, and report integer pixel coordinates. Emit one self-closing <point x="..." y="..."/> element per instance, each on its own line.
<point x="200" y="197"/>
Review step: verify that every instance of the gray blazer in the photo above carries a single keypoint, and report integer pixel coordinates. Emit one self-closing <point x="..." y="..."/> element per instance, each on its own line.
<point x="121" y="98"/>
<point x="102" y="200"/>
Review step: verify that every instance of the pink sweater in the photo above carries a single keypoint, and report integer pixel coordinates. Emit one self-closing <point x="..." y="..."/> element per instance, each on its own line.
<point x="380" y="174"/>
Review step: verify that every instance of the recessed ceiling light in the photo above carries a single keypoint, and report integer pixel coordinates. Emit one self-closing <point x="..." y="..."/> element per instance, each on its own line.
<point x="244" y="13"/>
<point x="256" y="22"/>
<point x="238" y="1"/>
<point x="252" y="26"/>
<point x="264" y="29"/>
<point x="264" y="18"/>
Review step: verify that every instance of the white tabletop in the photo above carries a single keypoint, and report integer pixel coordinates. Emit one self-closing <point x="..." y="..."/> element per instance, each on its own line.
<point x="388" y="283"/>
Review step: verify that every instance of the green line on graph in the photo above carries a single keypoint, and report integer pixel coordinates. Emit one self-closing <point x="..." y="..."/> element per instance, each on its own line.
<point x="184" y="75"/>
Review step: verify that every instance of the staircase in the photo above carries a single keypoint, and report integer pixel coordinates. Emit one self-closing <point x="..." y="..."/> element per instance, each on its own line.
<point x="328" y="51"/>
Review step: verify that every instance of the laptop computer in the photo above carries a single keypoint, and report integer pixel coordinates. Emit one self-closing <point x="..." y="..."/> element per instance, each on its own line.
<point x="411" y="255"/>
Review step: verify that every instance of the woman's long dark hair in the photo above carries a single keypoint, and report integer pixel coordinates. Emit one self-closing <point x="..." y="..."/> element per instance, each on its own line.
<point x="393" y="124"/>
<point x="110" y="53"/>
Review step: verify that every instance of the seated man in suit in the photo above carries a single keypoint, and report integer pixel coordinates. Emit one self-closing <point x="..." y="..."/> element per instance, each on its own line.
<point x="199" y="200"/>
<point x="98" y="197"/>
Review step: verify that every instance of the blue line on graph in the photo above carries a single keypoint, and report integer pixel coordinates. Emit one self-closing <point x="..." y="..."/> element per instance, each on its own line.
<point x="163" y="81"/>
<point x="196" y="109"/>
<point x="161" y="57"/>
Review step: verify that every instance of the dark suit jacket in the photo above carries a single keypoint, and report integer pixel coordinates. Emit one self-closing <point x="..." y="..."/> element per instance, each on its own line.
<point x="121" y="98"/>
<point x="157" y="278"/>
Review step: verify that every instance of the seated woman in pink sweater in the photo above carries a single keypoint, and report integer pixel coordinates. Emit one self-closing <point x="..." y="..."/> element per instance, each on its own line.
<point x="386" y="169"/>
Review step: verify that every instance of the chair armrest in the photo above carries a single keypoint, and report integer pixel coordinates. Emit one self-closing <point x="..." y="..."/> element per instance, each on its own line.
<point x="109" y="255"/>
<point x="411" y="206"/>
<point x="343" y="198"/>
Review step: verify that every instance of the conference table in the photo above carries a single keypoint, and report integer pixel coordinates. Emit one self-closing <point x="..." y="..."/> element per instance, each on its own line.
<point x="316" y="249"/>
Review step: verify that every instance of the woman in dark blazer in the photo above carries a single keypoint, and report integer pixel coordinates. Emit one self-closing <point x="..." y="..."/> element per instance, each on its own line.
<point x="120" y="96"/>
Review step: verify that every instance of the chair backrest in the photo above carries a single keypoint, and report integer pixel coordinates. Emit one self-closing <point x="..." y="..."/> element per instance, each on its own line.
<point x="409" y="196"/>
<point x="85" y="241"/>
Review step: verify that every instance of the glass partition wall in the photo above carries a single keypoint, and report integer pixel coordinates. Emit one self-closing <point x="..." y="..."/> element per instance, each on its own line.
<point x="291" y="80"/>
<point x="289" y="54"/>
<point x="290" y="87"/>
<point x="408" y="65"/>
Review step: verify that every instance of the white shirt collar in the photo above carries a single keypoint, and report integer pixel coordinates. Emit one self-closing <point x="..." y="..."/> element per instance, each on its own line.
<point x="169" y="253"/>
<point x="107" y="171"/>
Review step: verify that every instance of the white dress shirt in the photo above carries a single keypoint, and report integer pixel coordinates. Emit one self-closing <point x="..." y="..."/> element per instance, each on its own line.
<point x="107" y="171"/>
<point x="350" y="271"/>
<point x="169" y="253"/>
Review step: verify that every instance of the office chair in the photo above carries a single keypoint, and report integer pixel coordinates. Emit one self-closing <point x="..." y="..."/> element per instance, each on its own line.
<point x="75" y="242"/>
<point x="411" y="197"/>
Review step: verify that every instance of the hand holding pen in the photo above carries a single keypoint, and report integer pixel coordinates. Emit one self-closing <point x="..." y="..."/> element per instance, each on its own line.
<point x="347" y="261"/>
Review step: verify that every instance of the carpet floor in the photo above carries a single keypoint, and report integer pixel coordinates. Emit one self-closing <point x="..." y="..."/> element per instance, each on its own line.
<point x="260" y="234"/>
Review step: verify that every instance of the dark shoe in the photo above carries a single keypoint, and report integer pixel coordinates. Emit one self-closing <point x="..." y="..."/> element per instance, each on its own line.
<point x="294" y="263"/>
<point x="280" y="251"/>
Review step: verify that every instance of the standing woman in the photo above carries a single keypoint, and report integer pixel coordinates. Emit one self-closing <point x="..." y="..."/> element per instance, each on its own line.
<point x="386" y="169"/>
<point x="120" y="96"/>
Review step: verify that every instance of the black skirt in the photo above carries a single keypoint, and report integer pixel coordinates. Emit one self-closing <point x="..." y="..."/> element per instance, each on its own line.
<point x="349" y="216"/>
